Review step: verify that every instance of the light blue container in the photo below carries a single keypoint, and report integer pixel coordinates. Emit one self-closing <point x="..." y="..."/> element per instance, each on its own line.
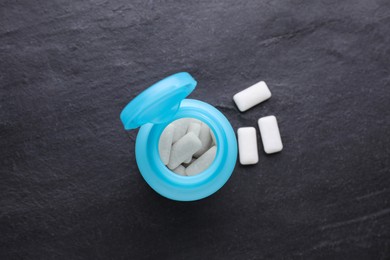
<point x="158" y="106"/>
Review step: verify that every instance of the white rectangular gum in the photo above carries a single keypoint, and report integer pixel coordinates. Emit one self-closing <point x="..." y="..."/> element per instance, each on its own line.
<point x="202" y="163"/>
<point x="181" y="170"/>
<point x="186" y="164"/>
<point x="194" y="127"/>
<point x="183" y="149"/>
<point x="189" y="160"/>
<point x="270" y="135"/>
<point x="205" y="138"/>
<point x="252" y="96"/>
<point x="247" y="145"/>
<point x="181" y="127"/>
<point x="213" y="137"/>
<point x="165" y="143"/>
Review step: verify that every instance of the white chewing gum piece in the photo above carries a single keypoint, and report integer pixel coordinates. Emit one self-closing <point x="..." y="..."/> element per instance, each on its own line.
<point x="185" y="164"/>
<point x="165" y="143"/>
<point x="252" y="96"/>
<point x="194" y="128"/>
<point x="202" y="163"/>
<point x="270" y="135"/>
<point x="181" y="127"/>
<point x="247" y="145"/>
<point x="205" y="138"/>
<point x="183" y="149"/>
<point x="180" y="170"/>
<point x="188" y="160"/>
<point x="213" y="137"/>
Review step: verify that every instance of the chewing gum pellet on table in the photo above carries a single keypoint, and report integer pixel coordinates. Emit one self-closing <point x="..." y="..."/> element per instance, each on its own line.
<point x="247" y="145"/>
<point x="270" y="135"/>
<point x="252" y="96"/>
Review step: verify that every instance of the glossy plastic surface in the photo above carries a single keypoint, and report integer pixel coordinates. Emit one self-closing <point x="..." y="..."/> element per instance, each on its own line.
<point x="158" y="103"/>
<point x="188" y="188"/>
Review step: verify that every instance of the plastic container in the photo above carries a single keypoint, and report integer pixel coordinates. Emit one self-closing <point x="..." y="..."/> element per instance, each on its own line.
<point x="158" y="106"/>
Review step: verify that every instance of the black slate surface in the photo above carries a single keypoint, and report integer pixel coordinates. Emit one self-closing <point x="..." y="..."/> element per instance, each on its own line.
<point x="69" y="185"/>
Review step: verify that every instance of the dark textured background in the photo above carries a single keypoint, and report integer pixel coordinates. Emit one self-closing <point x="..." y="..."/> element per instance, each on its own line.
<point x="69" y="185"/>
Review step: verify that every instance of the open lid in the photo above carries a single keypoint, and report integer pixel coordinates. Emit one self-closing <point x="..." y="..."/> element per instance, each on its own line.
<point x="158" y="103"/>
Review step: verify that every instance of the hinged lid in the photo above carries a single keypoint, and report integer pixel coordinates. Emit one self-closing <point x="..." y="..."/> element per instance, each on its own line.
<point x="158" y="103"/>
